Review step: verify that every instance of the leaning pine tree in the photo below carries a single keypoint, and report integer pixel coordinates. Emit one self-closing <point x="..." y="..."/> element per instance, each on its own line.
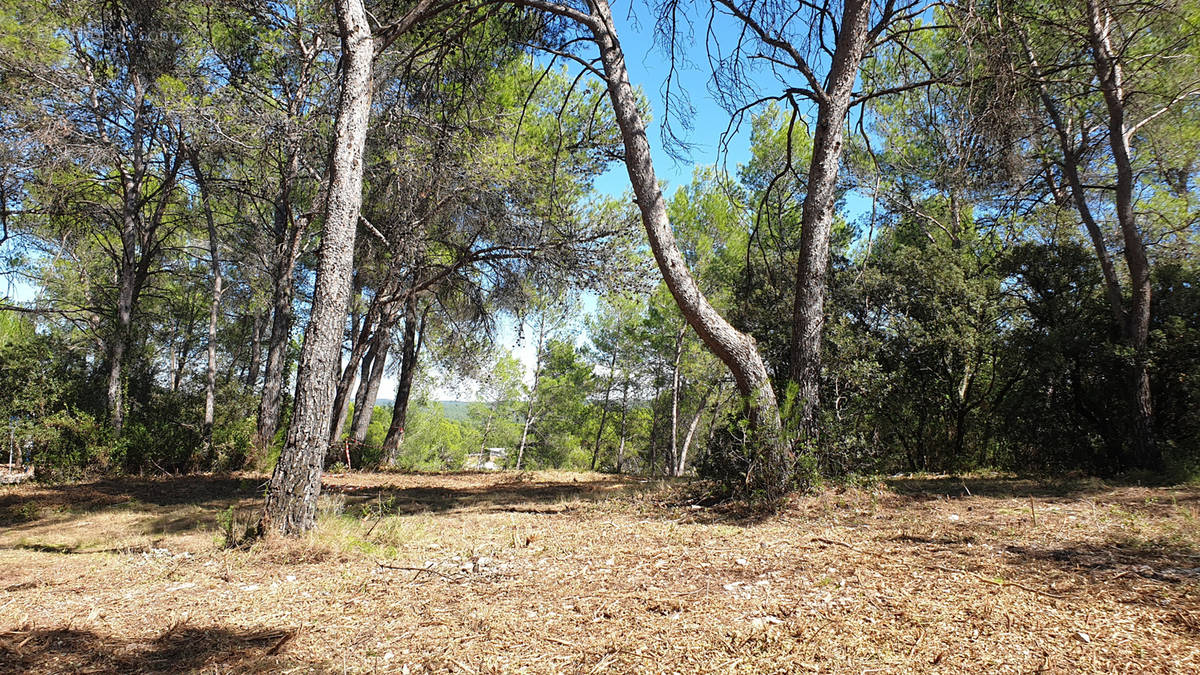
<point x="771" y="465"/>
<point x="292" y="494"/>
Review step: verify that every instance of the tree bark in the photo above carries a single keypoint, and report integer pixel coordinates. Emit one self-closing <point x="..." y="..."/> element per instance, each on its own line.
<point x="808" y="314"/>
<point x="681" y="464"/>
<point x="674" y="453"/>
<point x="380" y="314"/>
<point x="214" y="308"/>
<point x="287" y="250"/>
<point x="1109" y="74"/>
<point x="652" y="445"/>
<point x="369" y="379"/>
<point x="737" y="351"/>
<point x="410" y="351"/>
<point x="291" y="501"/>
<point x="140" y="246"/>
<point x="624" y="417"/>
<point x="1070" y="166"/>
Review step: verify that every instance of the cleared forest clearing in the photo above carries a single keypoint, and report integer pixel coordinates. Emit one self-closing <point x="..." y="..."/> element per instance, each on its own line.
<point x="559" y="572"/>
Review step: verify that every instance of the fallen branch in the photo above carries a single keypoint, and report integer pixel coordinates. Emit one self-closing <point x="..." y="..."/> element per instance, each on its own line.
<point x="997" y="582"/>
<point x="418" y="570"/>
<point x="379" y="507"/>
<point x="835" y="542"/>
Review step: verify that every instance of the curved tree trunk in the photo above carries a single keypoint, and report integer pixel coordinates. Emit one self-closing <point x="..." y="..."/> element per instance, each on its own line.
<point x="291" y="502"/>
<point x="738" y="351"/>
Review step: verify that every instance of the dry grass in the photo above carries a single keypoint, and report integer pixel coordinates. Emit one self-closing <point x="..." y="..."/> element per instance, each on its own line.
<point x="586" y="574"/>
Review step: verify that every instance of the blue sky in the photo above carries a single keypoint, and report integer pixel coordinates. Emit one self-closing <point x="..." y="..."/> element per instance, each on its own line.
<point x="648" y="69"/>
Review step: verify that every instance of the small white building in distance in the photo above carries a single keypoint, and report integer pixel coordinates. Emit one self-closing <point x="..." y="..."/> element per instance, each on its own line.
<point x="490" y="459"/>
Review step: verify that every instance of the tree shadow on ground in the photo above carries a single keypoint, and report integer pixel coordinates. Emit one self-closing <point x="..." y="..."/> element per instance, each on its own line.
<point x="1160" y="575"/>
<point x="1156" y="560"/>
<point x="179" y="649"/>
<point x="186" y="503"/>
<point x="953" y="487"/>
<point x="99" y="495"/>
<point x="168" y="505"/>
<point x="511" y="496"/>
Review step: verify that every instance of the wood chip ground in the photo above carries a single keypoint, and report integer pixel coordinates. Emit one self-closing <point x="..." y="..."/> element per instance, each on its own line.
<point x="584" y="573"/>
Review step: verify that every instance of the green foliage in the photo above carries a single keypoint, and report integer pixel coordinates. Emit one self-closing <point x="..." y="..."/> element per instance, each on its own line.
<point x="432" y="442"/>
<point x="967" y="325"/>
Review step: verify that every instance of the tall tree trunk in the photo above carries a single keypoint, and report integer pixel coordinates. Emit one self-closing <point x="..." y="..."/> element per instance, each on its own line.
<point x="283" y="289"/>
<point x="529" y="419"/>
<point x="180" y="361"/>
<point x="214" y="307"/>
<point x="126" y="297"/>
<point x="1070" y="166"/>
<point x="530" y="411"/>
<point x="673" y="455"/>
<point x="681" y="463"/>
<point x="808" y="314"/>
<point x="116" y="384"/>
<point x="410" y="351"/>
<point x="737" y="351"/>
<point x="131" y="182"/>
<point x="369" y="379"/>
<point x="624" y="417"/>
<point x="604" y="413"/>
<point x="652" y="448"/>
<point x="172" y="363"/>
<point x="291" y="501"/>
<point x="1105" y="59"/>
<point x="379" y="314"/>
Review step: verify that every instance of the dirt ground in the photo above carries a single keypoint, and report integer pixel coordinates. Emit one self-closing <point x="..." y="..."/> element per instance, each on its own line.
<point x="583" y="573"/>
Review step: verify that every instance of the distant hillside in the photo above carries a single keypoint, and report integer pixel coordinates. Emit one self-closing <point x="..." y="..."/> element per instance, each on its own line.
<point x="457" y="411"/>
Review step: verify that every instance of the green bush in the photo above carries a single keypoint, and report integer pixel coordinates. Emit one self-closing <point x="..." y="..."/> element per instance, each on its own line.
<point x="68" y="445"/>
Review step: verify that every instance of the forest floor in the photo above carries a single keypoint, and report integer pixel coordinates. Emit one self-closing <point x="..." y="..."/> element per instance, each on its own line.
<point x="585" y="573"/>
